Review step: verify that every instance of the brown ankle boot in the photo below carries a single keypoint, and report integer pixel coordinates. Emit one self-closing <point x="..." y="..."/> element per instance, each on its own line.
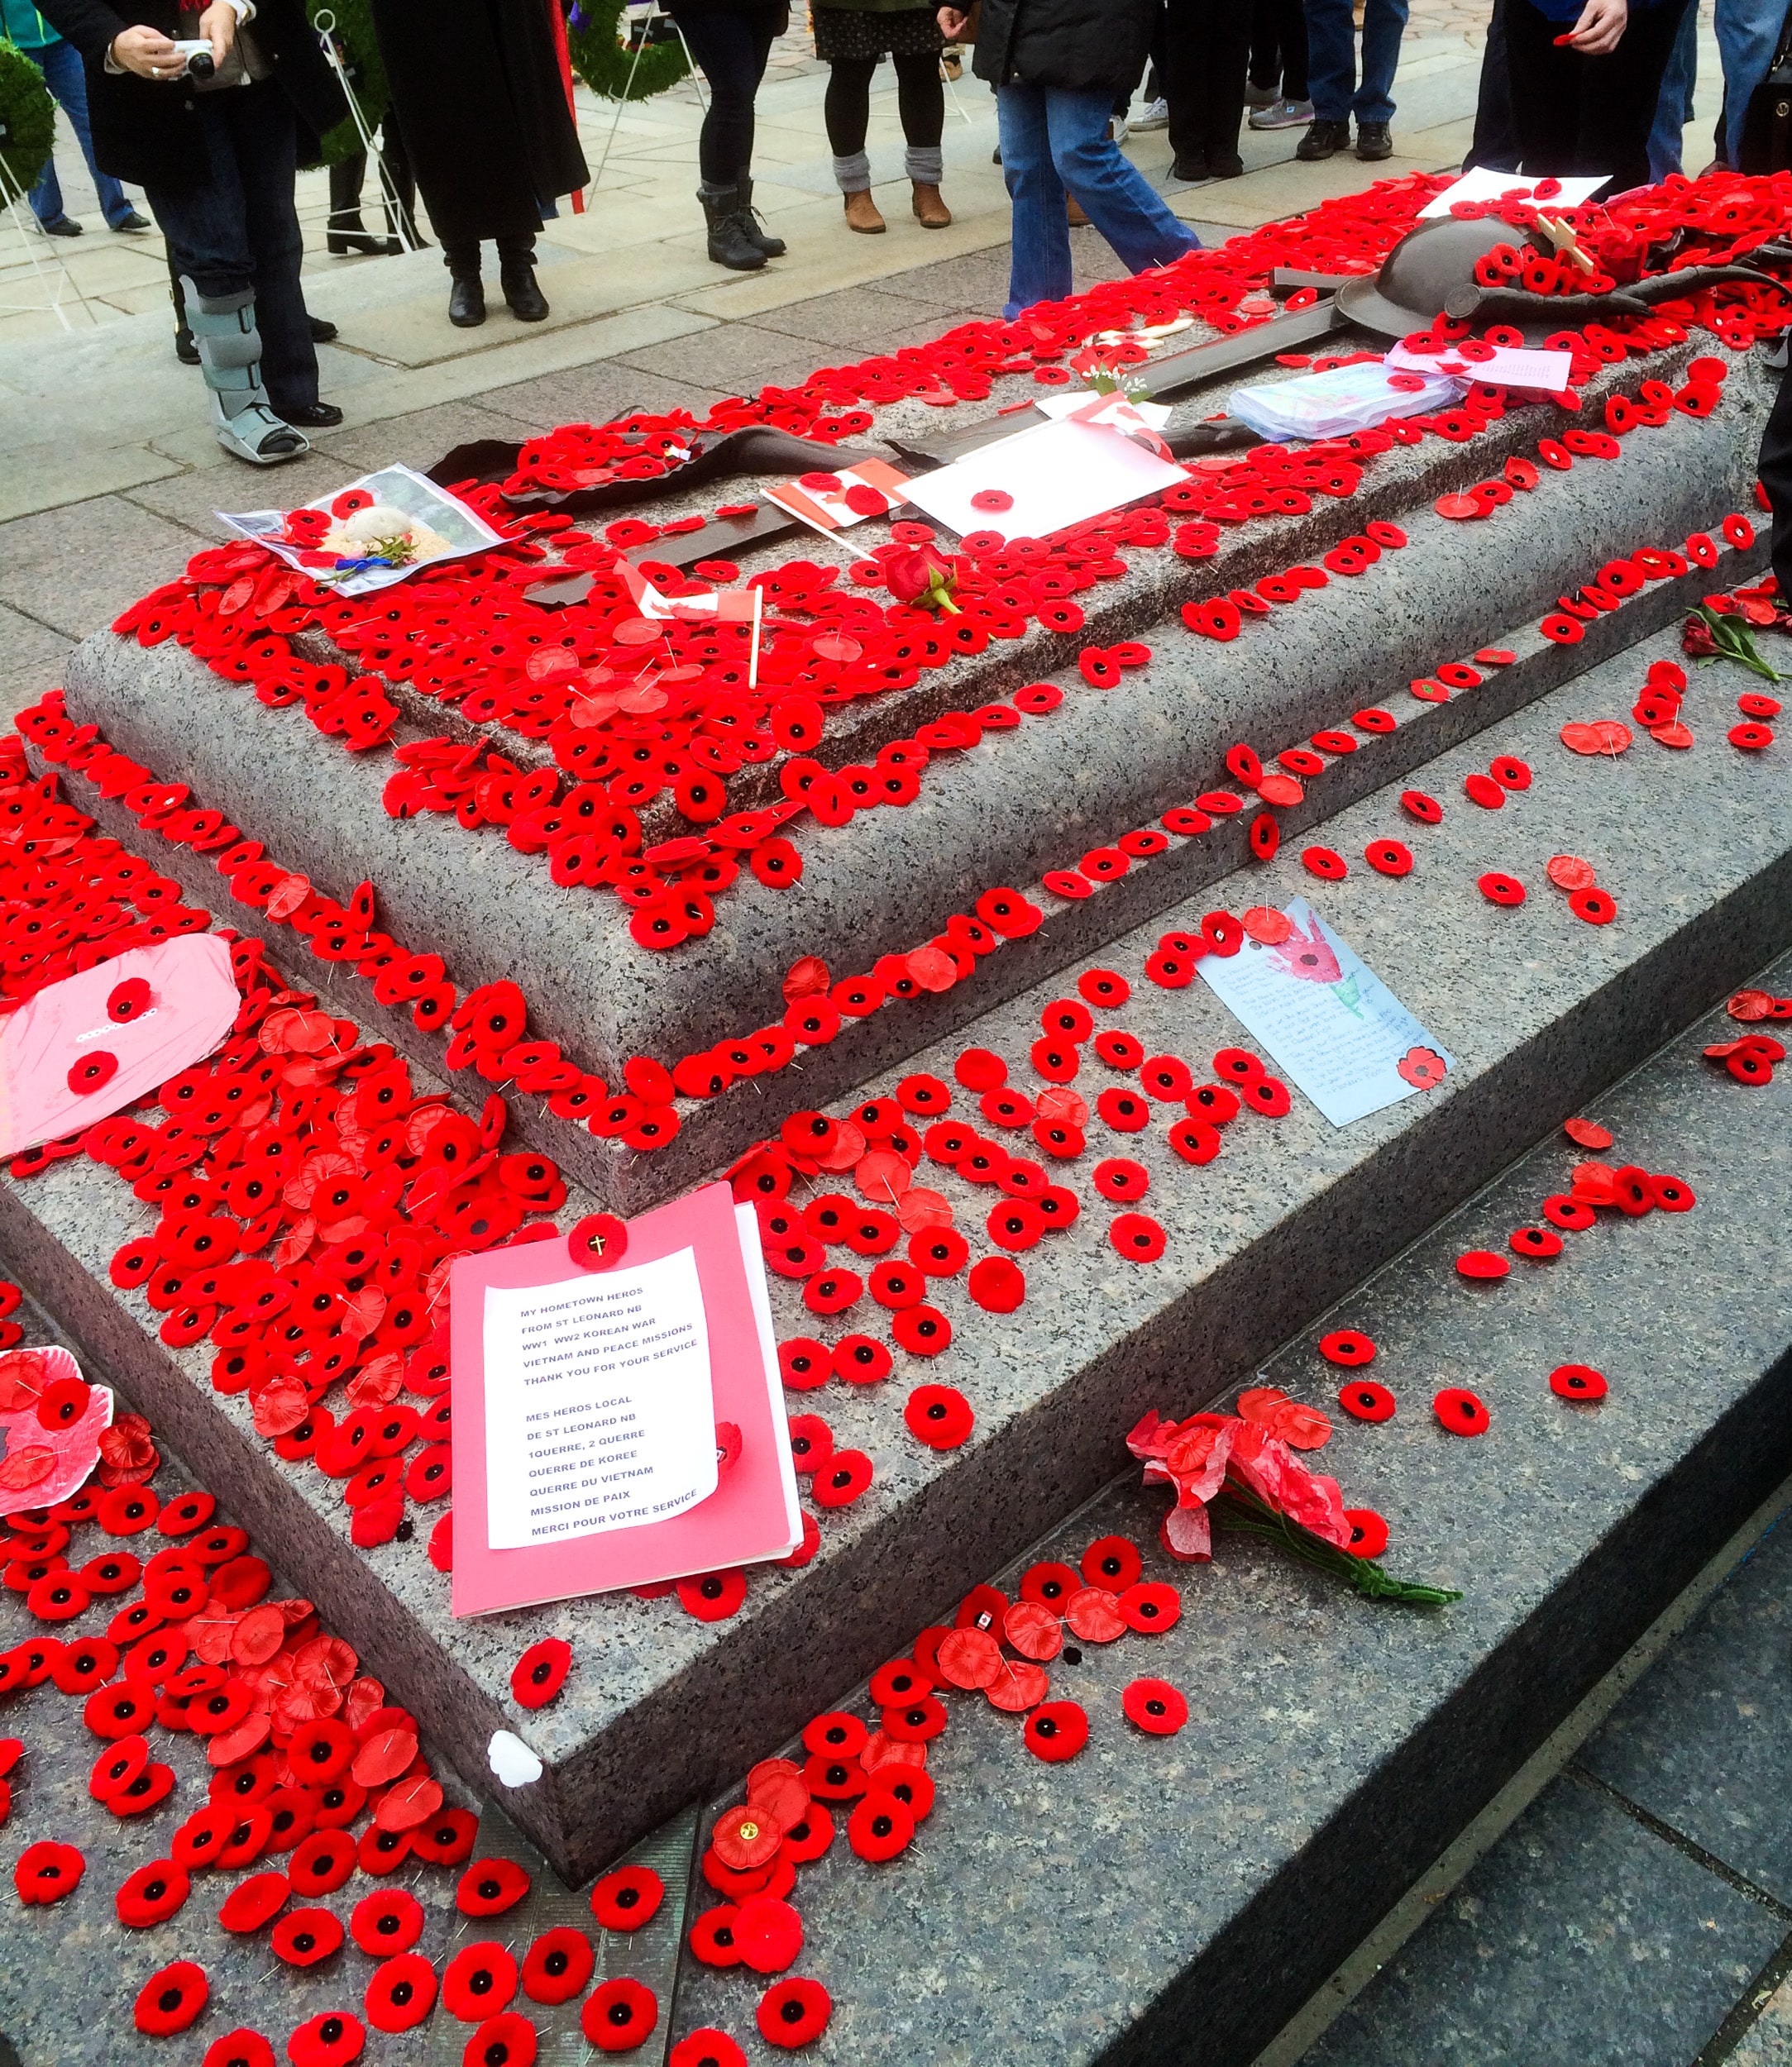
<point x="862" y="215"/>
<point x="1074" y="213"/>
<point x="930" y="211"/>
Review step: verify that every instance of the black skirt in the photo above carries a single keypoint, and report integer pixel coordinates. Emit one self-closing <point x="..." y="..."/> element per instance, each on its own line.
<point x="857" y="34"/>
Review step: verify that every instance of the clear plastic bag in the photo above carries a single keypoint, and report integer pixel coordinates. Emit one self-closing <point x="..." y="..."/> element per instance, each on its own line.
<point x="1325" y="405"/>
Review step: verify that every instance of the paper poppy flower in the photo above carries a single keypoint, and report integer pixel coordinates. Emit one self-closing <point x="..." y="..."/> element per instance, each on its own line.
<point x="557" y="1965"/>
<point x="332" y="2038"/>
<point x="47" y="1871"/>
<point x="793" y="2013"/>
<point x="541" y="1672"/>
<point x="240" y="2048"/>
<point x="627" y="1898"/>
<point x="619" y="2015"/>
<point x="401" y="1992"/>
<point x="303" y="1936"/>
<point x="1057" y="1731"/>
<point x="480" y="1980"/>
<point x="152" y="1894"/>
<point x="706" y="2048"/>
<point x="169" y="2000"/>
<point x="1461" y="1411"/>
<point x="1368" y="1532"/>
<point x="1154" y="1707"/>
<point x="505" y="2041"/>
<point x="1422" y="1067"/>
<point x="249" y="1904"/>
<point x="490" y="1885"/>
<point x="1577" y="1381"/>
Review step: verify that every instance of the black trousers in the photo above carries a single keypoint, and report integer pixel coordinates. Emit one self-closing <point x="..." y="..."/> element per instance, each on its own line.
<point x="1206" y="48"/>
<point x="1279" y="48"/>
<point x="731" y="46"/>
<point x="1496" y="134"/>
<point x="1776" y="471"/>
<point x="920" y="101"/>
<point x="1576" y="114"/>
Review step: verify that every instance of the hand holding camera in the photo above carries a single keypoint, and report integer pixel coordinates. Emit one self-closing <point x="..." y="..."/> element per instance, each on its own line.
<point x="152" y="55"/>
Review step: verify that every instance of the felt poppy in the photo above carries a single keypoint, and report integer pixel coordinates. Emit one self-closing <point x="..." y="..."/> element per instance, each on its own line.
<point x="1577" y="1381"/>
<point x="619" y="2015"/>
<point x="1461" y="1411"/>
<point x="713" y="1597"/>
<point x="240" y="2048"/>
<point x="924" y="1331"/>
<point x="1155" y="1707"/>
<point x="1112" y="1563"/>
<point x="400" y="1992"/>
<point x="480" y="1980"/>
<point x="508" y="2040"/>
<point x="706" y="2047"/>
<point x="47" y="1871"/>
<point x="1366" y="1399"/>
<point x="252" y="1903"/>
<point x="1151" y="1607"/>
<point x="303" y="1936"/>
<point x="1324" y="863"/>
<point x="557" y="1965"/>
<point x="1481" y="1263"/>
<point x="793" y="2013"/>
<point x="599" y="1242"/>
<point x="879" y="1828"/>
<point x="1534" y="1243"/>
<point x="938" y="1416"/>
<point x="389" y="1920"/>
<point x="627" y="1898"/>
<point x="171" y="2000"/>
<point x="1368" y="1532"/>
<point x="1500" y="889"/>
<point x="541" y="1672"/>
<point x="94" y="1071"/>
<point x="152" y="1893"/>
<point x="1566" y="1211"/>
<point x="1056" y="1731"/>
<point x="331" y="2039"/>
<point x="1137" y="1237"/>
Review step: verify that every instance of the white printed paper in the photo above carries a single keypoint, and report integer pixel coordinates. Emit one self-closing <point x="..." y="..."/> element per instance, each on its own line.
<point x="1055" y="473"/>
<point x="599" y="1412"/>
<point x="1328" y="1021"/>
<point x="1482" y="183"/>
<point x="427" y="521"/>
<point x="1509" y="367"/>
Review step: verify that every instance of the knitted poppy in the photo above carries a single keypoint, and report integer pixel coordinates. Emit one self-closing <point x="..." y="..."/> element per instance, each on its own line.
<point x="151" y="1894"/>
<point x="619" y="2015"/>
<point x="505" y="2041"/>
<point x="480" y="1979"/>
<point x="240" y="2048"/>
<point x="1460" y="1410"/>
<point x="303" y="1936"/>
<point x="490" y="1885"/>
<point x="169" y="2000"/>
<point x="401" y="1992"/>
<point x="794" y="2012"/>
<point x="1057" y="1731"/>
<point x="627" y="1898"/>
<point x="47" y="1871"/>
<point x="252" y="1903"/>
<point x="557" y="1965"/>
<point x="706" y="2048"/>
<point x="388" y="1921"/>
<point x="332" y="2038"/>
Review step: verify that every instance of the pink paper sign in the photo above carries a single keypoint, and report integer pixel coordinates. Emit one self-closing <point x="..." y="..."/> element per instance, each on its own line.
<point x="49" y="1461"/>
<point x="82" y="1048"/>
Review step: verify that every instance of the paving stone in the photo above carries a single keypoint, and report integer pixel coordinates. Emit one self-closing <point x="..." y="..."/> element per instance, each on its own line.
<point x="977" y="280"/>
<point x="1703" y="1743"/>
<point x="31" y="657"/>
<point x="76" y="568"/>
<point x="860" y="320"/>
<point x="1768" y="2043"/>
<point x="420" y="439"/>
<point x="738" y="358"/>
<point x="594" y="393"/>
<point x="193" y="499"/>
<point x="1581" y="1936"/>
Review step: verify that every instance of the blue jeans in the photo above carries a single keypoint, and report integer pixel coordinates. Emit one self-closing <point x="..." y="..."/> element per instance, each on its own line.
<point x="1748" y="31"/>
<point x="1053" y="141"/>
<point x="240" y="229"/>
<point x="1674" y="109"/>
<point x="61" y="64"/>
<point x="1331" y="59"/>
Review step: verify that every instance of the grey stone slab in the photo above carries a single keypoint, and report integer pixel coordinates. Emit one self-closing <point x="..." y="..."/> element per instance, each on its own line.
<point x="1768" y="2042"/>
<point x="1539" y="1011"/>
<point x="1703" y="1743"/>
<point x="737" y="358"/>
<point x="1581" y="1936"/>
<point x="74" y="569"/>
<point x="979" y="279"/>
<point x="421" y="439"/>
<point x="859" y="320"/>
<point x="594" y="393"/>
<point x="193" y="499"/>
<point x="31" y="657"/>
<point x="1174" y="1900"/>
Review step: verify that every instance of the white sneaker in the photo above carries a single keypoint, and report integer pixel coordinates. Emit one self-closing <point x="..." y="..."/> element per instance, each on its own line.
<point x="1282" y="115"/>
<point x="1156" y="115"/>
<point x="1116" y="129"/>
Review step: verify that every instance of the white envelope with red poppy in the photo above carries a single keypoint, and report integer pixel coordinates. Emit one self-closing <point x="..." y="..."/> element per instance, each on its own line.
<point x="619" y="1427"/>
<point x="1329" y="1023"/>
<point x="1485" y="182"/>
<point x="1041" y="479"/>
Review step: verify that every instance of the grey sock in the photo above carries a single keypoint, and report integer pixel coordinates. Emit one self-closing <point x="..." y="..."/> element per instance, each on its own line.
<point x="924" y="164"/>
<point x="854" y="174"/>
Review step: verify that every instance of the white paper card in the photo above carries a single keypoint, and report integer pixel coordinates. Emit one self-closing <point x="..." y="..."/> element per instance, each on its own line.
<point x="1118" y="410"/>
<point x="1482" y="183"/>
<point x="1331" y="1024"/>
<point x="1058" y="473"/>
<point x="599" y="1412"/>
<point x="1509" y="367"/>
<point x="752" y="1254"/>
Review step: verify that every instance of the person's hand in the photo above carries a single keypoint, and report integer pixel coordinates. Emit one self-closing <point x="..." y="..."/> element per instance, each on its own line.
<point x="953" y="24"/>
<point x="1601" y="25"/>
<point x="217" y="24"/>
<point x="147" y="52"/>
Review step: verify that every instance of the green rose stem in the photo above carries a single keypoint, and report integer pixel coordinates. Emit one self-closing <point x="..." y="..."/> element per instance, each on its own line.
<point x="1235" y="1506"/>
<point x="1734" y="642"/>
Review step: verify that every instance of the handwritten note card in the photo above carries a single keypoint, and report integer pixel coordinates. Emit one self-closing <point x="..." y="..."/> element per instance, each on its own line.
<point x="598" y="1407"/>
<point x="1328" y="1021"/>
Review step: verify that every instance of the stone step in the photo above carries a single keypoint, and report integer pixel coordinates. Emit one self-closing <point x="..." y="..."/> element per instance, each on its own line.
<point x="1005" y="812"/>
<point x="1179" y="1897"/>
<point x="1539" y="1011"/>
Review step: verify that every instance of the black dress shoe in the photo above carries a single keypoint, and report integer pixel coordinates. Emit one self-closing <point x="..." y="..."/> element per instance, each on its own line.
<point x="63" y="225"/>
<point x="1225" y="164"/>
<point x="529" y="304"/>
<point x="312" y="416"/>
<point x="322" y="331"/>
<point x="466" y="302"/>
<point x="185" y="350"/>
<point x="353" y="244"/>
<point x="133" y="221"/>
<point x="1191" y="166"/>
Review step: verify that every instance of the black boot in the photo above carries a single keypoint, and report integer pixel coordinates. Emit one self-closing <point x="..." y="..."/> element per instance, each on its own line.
<point x="466" y="302"/>
<point x="727" y="215"/>
<point x="773" y="246"/>
<point x="529" y="304"/>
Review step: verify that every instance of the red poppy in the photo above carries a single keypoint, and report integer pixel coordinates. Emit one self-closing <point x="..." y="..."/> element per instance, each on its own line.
<point x="1347" y="1346"/>
<point x="1137" y="1237"/>
<point x="250" y="1903"/>
<point x="557" y="1965"/>
<point x="480" y="1980"/>
<point x="446" y="1837"/>
<point x="541" y="1672"/>
<point x="1056" y="1731"/>
<point x="332" y="2038"/>
<point x="767" y="1934"/>
<point x="997" y="1284"/>
<point x="1534" y="1243"/>
<point x="47" y="1871"/>
<point x="1388" y="858"/>
<point x="793" y="2013"/>
<point x="322" y="1862"/>
<point x="169" y="2000"/>
<point x="748" y="1838"/>
<point x="508" y="2040"/>
<point x="240" y="2048"/>
<point x="490" y="1885"/>
<point x="1461" y="1411"/>
<point x="706" y="2048"/>
<point x="401" y="1992"/>
<point x="1481" y="1263"/>
<point x="1499" y="888"/>
<point x="1151" y="1607"/>
<point x="619" y="2015"/>
<point x="303" y="1936"/>
<point x="880" y="1826"/>
<point x="1577" y="1381"/>
<point x="938" y="1416"/>
<point x="1369" y="1533"/>
<point x="152" y="1894"/>
<point x="627" y="1898"/>
<point x="1154" y="1707"/>
<point x="1112" y="1563"/>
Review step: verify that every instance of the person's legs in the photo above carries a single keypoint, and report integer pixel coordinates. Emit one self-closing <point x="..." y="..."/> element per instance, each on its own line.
<point x="1265" y="68"/>
<point x="1673" y="103"/>
<point x="1384" y="24"/>
<point x="264" y="139"/>
<point x="1330" y="59"/>
<point x="847" y="111"/>
<point x="1619" y="95"/>
<point x="723" y="44"/>
<point x="1775" y="472"/>
<point x="1185" y="84"/>
<point x="64" y="75"/>
<point x="1748" y="33"/>
<point x="47" y="194"/>
<point x="921" y="107"/>
<point x="1545" y="91"/>
<point x="1495" y="142"/>
<point x="1226" y="57"/>
<point x="1038" y="266"/>
<point x="1290" y="33"/>
<point x="1115" y="195"/>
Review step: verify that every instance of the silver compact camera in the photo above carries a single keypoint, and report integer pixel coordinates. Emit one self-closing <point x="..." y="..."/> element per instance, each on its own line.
<point x="196" y="59"/>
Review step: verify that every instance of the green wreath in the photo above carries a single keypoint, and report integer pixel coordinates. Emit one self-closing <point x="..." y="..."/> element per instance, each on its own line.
<point x="27" y="117"/>
<point x="360" y="52"/>
<point x="603" y="60"/>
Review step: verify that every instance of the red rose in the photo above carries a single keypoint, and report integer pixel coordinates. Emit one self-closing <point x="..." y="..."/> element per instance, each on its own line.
<point x="919" y="576"/>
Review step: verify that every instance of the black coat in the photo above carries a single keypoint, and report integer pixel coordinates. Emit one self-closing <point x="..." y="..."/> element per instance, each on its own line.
<point x="1086" y="46"/>
<point x="481" y="105"/>
<point x="144" y="129"/>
